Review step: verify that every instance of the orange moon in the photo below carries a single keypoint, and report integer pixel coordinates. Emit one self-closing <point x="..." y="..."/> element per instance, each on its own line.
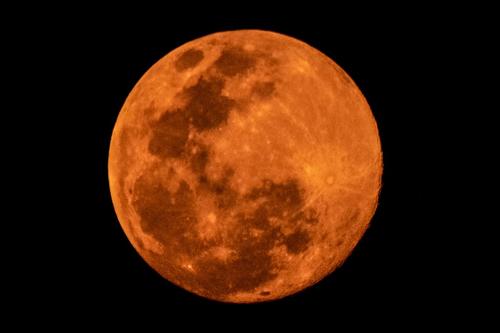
<point x="245" y="166"/>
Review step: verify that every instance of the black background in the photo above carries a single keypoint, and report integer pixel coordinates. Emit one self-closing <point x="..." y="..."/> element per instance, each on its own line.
<point x="89" y="63"/>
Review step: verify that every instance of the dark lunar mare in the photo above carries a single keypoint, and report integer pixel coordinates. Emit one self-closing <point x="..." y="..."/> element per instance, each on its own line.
<point x="188" y="59"/>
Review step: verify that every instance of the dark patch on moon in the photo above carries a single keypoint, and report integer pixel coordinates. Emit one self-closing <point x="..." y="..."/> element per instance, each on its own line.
<point x="234" y="61"/>
<point x="248" y="271"/>
<point x="259" y="219"/>
<point x="264" y="89"/>
<point x="199" y="160"/>
<point x="297" y="242"/>
<point x="164" y="215"/>
<point x="169" y="134"/>
<point x="188" y="59"/>
<point x="265" y="293"/>
<point x="207" y="108"/>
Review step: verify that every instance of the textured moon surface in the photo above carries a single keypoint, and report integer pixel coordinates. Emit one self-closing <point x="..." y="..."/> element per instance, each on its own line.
<point x="245" y="166"/>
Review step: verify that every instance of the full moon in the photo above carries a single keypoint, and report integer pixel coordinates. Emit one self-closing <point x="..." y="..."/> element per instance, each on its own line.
<point x="245" y="166"/>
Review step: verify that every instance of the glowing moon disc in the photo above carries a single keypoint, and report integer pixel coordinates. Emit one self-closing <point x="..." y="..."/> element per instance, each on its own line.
<point x="245" y="166"/>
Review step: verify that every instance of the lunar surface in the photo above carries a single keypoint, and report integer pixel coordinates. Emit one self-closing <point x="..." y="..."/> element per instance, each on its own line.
<point x="245" y="166"/>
